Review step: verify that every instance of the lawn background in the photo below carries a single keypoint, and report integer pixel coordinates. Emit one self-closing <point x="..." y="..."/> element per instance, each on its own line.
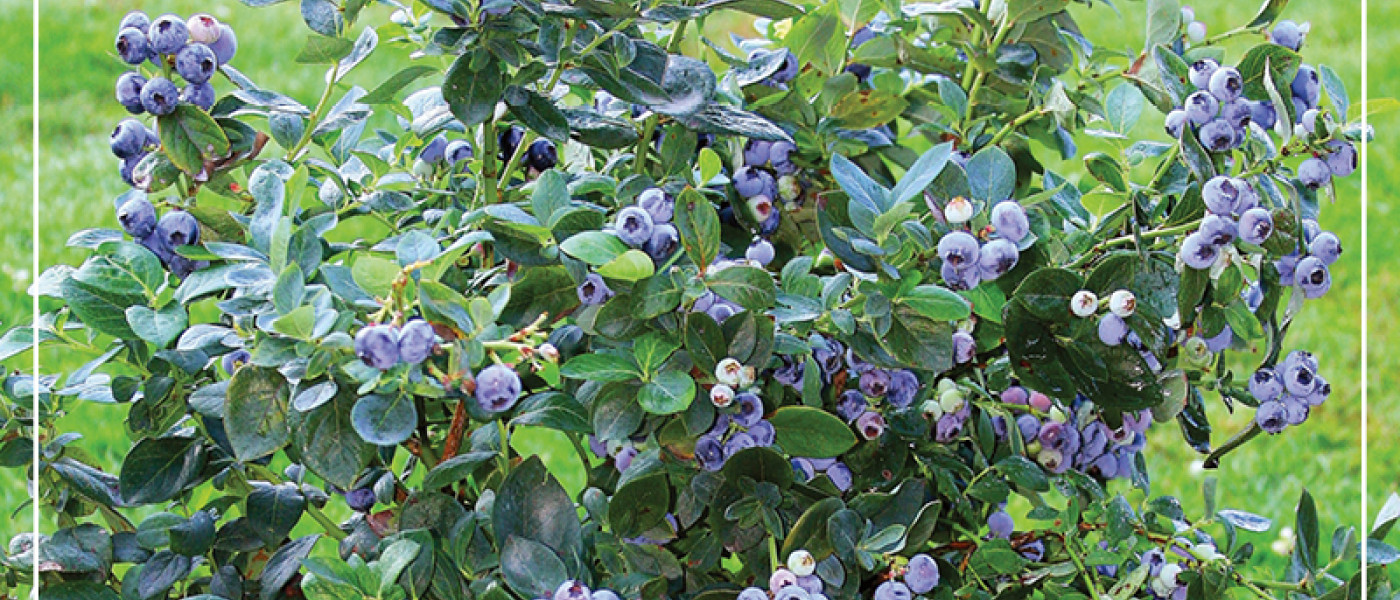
<point x="79" y="179"/>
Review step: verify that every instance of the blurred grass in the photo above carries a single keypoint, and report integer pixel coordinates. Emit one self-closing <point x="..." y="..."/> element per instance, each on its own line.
<point x="80" y="178"/>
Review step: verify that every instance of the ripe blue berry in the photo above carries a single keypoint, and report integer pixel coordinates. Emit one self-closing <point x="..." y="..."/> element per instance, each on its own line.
<point x="196" y="63"/>
<point x="1201" y="107"/>
<point x="1306" y="86"/>
<point x="1326" y="246"/>
<point x="922" y="574"/>
<point x="1112" y="329"/>
<point x="129" y="92"/>
<point x="1342" y="159"/>
<point x="457" y="152"/>
<point x="964" y="347"/>
<point x="593" y="290"/>
<point x="1219" y="136"/>
<point x="904" y="385"/>
<point x="1265" y="385"/>
<point x="750" y="182"/>
<point x="786" y="72"/>
<point x="851" y="405"/>
<point x="497" y="388"/>
<point x="137" y="217"/>
<point x="1218" y="230"/>
<point x="1237" y="112"/>
<point x="721" y="310"/>
<point x="780" y="155"/>
<point x="542" y="155"/>
<point x="199" y="94"/>
<point x="709" y="452"/>
<point x="1010" y="221"/>
<point x="376" y="346"/>
<point x="760" y="251"/>
<point x="1000" y="524"/>
<point x="875" y="382"/>
<point x="416" y="341"/>
<point x="1264" y="114"/>
<point x="128" y="139"/>
<point x="763" y="433"/>
<point x="1176" y="122"/>
<point x="167" y="34"/>
<point x="750" y="409"/>
<point x="233" y="360"/>
<point x="633" y="226"/>
<point x="1287" y="34"/>
<point x="756" y="153"/>
<point x="1271" y="416"/>
<point x="1197" y="251"/>
<point x="958" y="249"/>
<point x="753" y="593"/>
<point x="1314" y="173"/>
<point x="840" y="476"/>
<point x="434" y="151"/>
<point x="509" y="140"/>
<point x="1312" y="276"/>
<point x="135" y="19"/>
<point x="604" y="595"/>
<point x="160" y="96"/>
<point x="664" y="242"/>
<point x="178" y="228"/>
<point x="1201" y="72"/>
<point x="360" y="499"/>
<point x="1226" y="84"/>
<point x="893" y="590"/>
<point x="960" y="279"/>
<point x="1255" y="226"/>
<point x="226" y="46"/>
<point x="658" y="204"/>
<point x="1220" y="194"/>
<point x="132" y="46"/>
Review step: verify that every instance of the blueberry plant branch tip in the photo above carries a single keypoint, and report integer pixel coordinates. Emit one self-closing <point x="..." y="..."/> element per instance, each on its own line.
<point x="1212" y="460"/>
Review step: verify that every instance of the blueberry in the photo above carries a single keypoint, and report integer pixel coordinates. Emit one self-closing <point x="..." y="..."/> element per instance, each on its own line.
<point x="1237" y="112"/>
<point x="1196" y="31"/>
<point x="1245" y="195"/>
<point x="226" y="46"/>
<point x="739" y="441"/>
<point x="658" y="204"/>
<point x="572" y="590"/>
<point x="1176" y="122"/>
<point x="1309" y="120"/>
<point x="769" y="225"/>
<point x="1264" y="114"/>
<point x="542" y="155"/>
<point x="760" y="251"/>
<point x="167" y="34"/>
<point x="1220" y="194"/>
<point x="233" y="360"/>
<point x="790" y="374"/>
<point x="132" y="46"/>
<point x="1306" y="86"/>
<point x="457" y="152"/>
<point x="750" y="409"/>
<point x="1201" y="107"/>
<point x="434" y="151"/>
<point x="416" y="341"/>
<point x="960" y="279"/>
<point x="604" y="595"/>
<point x="709" y="453"/>
<point x="756" y="152"/>
<point x="1326" y="246"/>
<point x="922" y="574"/>
<point x="1112" y="329"/>
<point x="721" y="310"/>
<point x="1218" y="230"/>
<point x="160" y="96"/>
<point x="787" y="71"/>
<point x="1015" y="395"/>
<point x="128" y="139"/>
<point x="1313" y="277"/>
<point x="137" y="20"/>
<point x="893" y="590"/>
<point x="178" y="228"/>
<point x="634" y="226"/>
<point x="753" y="593"/>
<point x="792" y="592"/>
<point x="1000" y="525"/>
<point x="1010" y="221"/>
<point x="964" y="347"/>
<point x="1226" y="84"/>
<point x="138" y="217"/>
<point x="1029" y="426"/>
<point x="497" y="388"/>
<point x="860" y="70"/>
<point x="594" y="290"/>
<point x="1295" y="409"/>
<point x="904" y="385"/>
<point x="1314" y="173"/>
<point x="812" y="584"/>
<point x="829" y="356"/>
<point x="851" y="405"/>
<point x="1343" y="159"/>
<point x="1287" y="34"/>
<point x="129" y="92"/>
<point x="199" y="94"/>
<point x="763" y="433"/>
<point x="750" y="182"/>
<point x="840" y="476"/>
<point x="997" y="258"/>
<point x="664" y="242"/>
<point x="1255" y="226"/>
<point x="128" y="169"/>
<point x="780" y="156"/>
<point x="1301" y="357"/>
<point x="376" y="346"/>
<point x="1219" y="136"/>
<point x="1271" y="416"/>
<point x="959" y="249"/>
<point x="875" y="383"/>
<point x="1310" y="229"/>
<point x="1320" y="392"/>
<point x="203" y="28"/>
<point x="1201" y="71"/>
<point x="196" y="63"/>
<point x="360" y="499"/>
<point x="509" y="140"/>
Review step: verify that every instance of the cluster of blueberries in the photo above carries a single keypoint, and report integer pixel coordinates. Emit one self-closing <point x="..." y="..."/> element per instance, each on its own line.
<point x="1218" y="111"/>
<point x="541" y="156"/>
<point x="1078" y="440"/>
<point x="161" y="236"/>
<point x="646" y="225"/>
<point x="1226" y="199"/>
<point x="439" y="153"/>
<point x="131" y="141"/>
<point x="968" y="262"/>
<point x="384" y="346"/>
<point x="798" y="580"/>
<point x="768" y="175"/>
<point x="195" y="49"/>
<point x="1288" y="391"/>
<point x="576" y="590"/>
<point x="1310" y="271"/>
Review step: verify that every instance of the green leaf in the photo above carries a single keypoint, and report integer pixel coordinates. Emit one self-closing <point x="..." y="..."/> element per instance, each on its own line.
<point x="864" y="109"/>
<point x="1123" y="107"/>
<point x="456" y="469"/>
<point x="385" y="92"/>
<point x="1268" y="11"/>
<point x="698" y="225"/>
<point x="1281" y="63"/>
<point x="443" y="305"/>
<point x="159" y="327"/>
<point x="991" y="175"/>
<point x="817" y="38"/>
<point x="531" y="568"/>
<point x="1163" y="22"/>
<point x="1243" y="321"/>
<point x="328" y="444"/>
<point x="600" y="367"/>
<point x="531" y="504"/>
<point x="283" y="565"/>
<point x="472" y="92"/>
<point x="918" y="341"/>
<point x="653" y="349"/>
<point x="921" y="173"/>
<point x="538" y="113"/>
<point x="256" y="412"/>
<point x="1025" y="11"/>
<point x="189" y="136"/>
<point x="277" y="509"/>
<point x="160" y="573"/>
<point x="158" y="469"/>
<point x="639" y="505"/>
<point x="322" y="50"/>
<point x="632" y="265"/>
<point x="385" y="420"/>
<point x="749" y="287"/>
<point x="668" y="393"/>
<point x="594" y="247"/>
<point x="811" y="432"/>
<point x="1306" y="532"/>
<point x="937" y="303"/>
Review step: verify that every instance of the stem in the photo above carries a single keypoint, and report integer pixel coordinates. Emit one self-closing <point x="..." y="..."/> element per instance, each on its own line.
<point x="1220" y="37"/>
<point x="514" y="162"/>
<point x="1089" y="578"/>
<point x="1017" y="122"/>
<point x="773" y="552"/>
<point x="640" y="154"/>
<point x="331" y="528"/>
<point x="504" y="434"/>
<point x="315" y="115"/>
<point x="488" y="161"/>
<point x="1213" y="460"/>
<point x="1003" y="30"/>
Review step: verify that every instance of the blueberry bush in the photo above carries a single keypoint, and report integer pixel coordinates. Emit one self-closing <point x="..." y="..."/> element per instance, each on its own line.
<point x="818" y="316"/>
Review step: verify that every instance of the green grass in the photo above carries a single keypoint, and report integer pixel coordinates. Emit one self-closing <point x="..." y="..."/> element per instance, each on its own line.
<point x="79" y="179"/>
